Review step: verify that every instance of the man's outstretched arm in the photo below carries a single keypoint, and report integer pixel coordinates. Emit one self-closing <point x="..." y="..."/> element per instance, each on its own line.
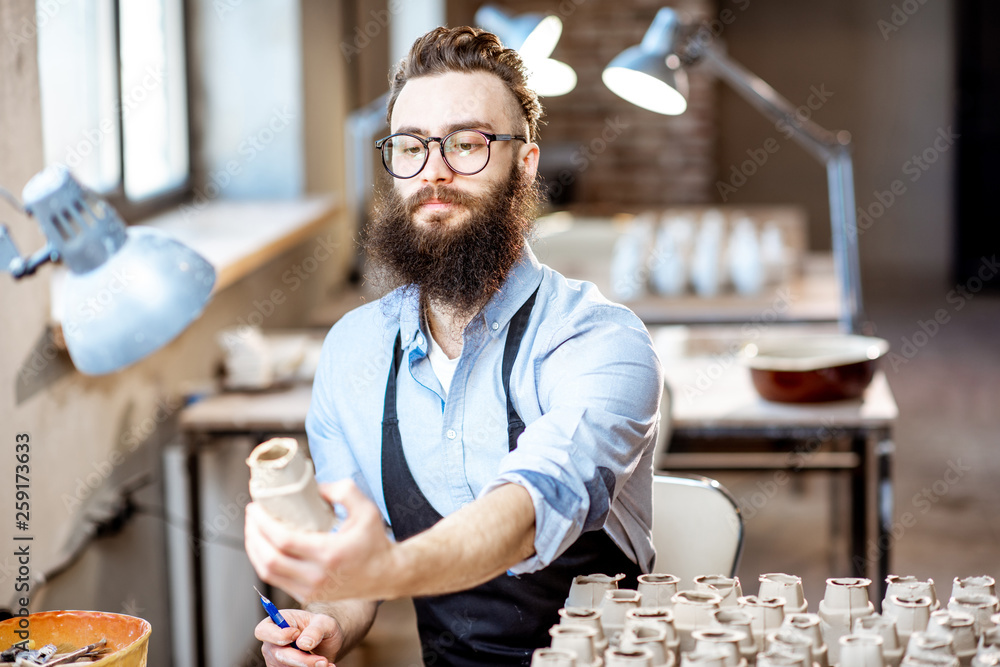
<point x="473" y="545"/>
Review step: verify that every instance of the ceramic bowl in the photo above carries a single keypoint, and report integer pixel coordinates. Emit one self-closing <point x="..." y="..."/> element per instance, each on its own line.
<point x="807" y="369"/>
<point x="128" y="636"/>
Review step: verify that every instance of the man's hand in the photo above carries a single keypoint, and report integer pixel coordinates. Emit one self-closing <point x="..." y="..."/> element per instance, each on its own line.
<point x="318" y="633"/>
<point x="357" y="561"/>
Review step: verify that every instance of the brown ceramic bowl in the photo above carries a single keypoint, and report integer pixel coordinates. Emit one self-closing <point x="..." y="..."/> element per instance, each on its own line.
<point x="811" y="369"/>
<point x="128" y="636"/>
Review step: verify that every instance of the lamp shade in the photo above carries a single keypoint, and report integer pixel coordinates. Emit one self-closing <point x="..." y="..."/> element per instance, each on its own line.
<point x="534" y="37"/>
<point x="128" y="292"/>
<point x="649" y="74"/>
<point x="550" y="78"/>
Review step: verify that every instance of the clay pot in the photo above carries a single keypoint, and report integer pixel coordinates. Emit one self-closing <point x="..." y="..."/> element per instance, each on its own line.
<point x="813" y="368"/>
<point x="713" y="657"/>
<point x="788" y="586"/>
<point x="926" y="646"/>
<point x="778" y="658"/>
<point x="767" y="615"/>
<point x="616" y="603"/>
<point x="728" y="588"/>
<point x="788" y="640"/>
<point x="661" y="617"/>
<point x="551" y="657"/>
<point x="912" y="613"/>
<point x="910" y="586"/>
<point x="981" y="585"/>
<point x="588" y="590"/>
<point x="283" y="482"/>
<point x="932" y="661"/>
<point x="861" y="651"/>
<point x="808" y="626"/>
<point x="987" y="656"/>
<point x="958" y="629"/>
<point x="693" y="611"/>
<point x="884" y="627"/>
<point x="738" y="620"/>
<point x="980" y="606"/>
<point x="721" y="638"/>
<point x="845" y="601"/>
<point x="658" y="589"/>
<point x="617" y="657"/>
<point x="588" y="618"/>
<point x="650" y="636"/>
<point x="577" y="640"/>
<point x="128" y="636"/>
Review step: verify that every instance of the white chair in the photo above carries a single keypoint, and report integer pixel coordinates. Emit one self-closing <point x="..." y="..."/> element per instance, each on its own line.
<point x="697" y="528"/>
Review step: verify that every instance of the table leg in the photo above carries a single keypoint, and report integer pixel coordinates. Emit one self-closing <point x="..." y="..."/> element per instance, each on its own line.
<point x="859" y="507"/>
<point x="884" y="452"/>
<point x="194" y="501"/>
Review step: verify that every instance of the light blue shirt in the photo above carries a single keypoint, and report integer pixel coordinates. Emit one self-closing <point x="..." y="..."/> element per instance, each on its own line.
<point x="586" y="382"/>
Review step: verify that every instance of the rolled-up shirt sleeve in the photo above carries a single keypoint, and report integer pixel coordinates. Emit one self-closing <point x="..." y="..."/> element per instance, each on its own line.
<point x="331" y="454"/>
<point x="599" y="386"/>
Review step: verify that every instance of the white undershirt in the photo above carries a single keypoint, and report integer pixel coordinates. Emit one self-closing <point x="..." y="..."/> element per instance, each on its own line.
<point x="444" y="368"/>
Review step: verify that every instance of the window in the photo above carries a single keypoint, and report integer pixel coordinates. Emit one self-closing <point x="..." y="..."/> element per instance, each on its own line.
<point x="114" y="97"/>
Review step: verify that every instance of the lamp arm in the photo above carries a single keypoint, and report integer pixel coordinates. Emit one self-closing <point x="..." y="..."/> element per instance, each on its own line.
<point x="11" y="260"/>
<point x="822" y="143"/>
<point x="832" y="149"/>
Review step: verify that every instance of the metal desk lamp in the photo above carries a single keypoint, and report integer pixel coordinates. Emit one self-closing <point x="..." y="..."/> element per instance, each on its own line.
<point x="651" y="75"/>
<point x="534" y="37"/>
<point x="128" y="291"/>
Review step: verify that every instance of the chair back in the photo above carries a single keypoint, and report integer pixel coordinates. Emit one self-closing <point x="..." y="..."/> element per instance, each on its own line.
<point x="697" y="528"/>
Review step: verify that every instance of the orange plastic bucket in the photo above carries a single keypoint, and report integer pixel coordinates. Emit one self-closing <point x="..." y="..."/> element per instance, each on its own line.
<point x="127" y="636"/>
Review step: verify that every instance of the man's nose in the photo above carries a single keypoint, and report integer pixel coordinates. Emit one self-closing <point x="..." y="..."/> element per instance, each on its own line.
<point x="436" y="170"/>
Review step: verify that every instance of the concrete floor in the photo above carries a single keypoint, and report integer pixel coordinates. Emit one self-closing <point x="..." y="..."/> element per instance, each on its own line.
<point x="948" y="392"/>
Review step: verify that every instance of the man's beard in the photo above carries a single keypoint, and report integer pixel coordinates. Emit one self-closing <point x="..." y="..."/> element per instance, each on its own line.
<point x="458" y="266"/>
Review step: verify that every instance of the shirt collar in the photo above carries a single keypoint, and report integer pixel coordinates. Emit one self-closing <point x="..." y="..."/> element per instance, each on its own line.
<point x="524" y="277"/>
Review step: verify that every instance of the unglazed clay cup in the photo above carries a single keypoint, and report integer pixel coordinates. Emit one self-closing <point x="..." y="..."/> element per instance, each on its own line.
<point x="587" y="590"/>
<point x="658" y="589"/>
<point x="861" y="651"/>
<point x="788" y="586"/>
<point x="578" y="640"/>
<point x="693" y="611"/>
<point x="767" y="615"/>
<point x="728" y="588"/>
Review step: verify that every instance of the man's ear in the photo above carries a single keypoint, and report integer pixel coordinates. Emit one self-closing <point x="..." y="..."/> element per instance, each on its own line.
<point x="528" y="157"/>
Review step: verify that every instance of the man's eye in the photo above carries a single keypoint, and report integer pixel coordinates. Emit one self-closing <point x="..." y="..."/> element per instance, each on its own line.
<point x="466" y="147"/>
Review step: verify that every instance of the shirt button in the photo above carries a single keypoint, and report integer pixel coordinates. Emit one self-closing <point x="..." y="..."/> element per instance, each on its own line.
<point x="451" y="434"/>
<point x="420" y="339"/>
<point x="496" y="325"/>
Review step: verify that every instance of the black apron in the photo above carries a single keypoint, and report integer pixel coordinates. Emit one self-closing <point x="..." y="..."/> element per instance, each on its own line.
<point x="503" y="620"/>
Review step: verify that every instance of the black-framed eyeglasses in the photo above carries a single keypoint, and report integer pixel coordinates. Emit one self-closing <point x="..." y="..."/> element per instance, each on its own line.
<point x="466" y="152"/>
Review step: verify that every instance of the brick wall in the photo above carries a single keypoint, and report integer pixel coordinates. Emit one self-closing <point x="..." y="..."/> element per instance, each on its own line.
<point x="610" y="155"/>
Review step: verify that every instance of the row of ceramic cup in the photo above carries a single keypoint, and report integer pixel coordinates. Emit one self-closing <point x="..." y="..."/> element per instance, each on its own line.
<point x="715" y="625"/>
<point x="681" y="254"/>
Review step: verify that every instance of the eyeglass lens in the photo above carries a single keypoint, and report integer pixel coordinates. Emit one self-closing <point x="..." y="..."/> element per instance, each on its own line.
<point x="465" y="152"/>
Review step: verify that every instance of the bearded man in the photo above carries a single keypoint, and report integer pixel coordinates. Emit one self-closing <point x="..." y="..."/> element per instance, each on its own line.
<point x="497" y="416"/>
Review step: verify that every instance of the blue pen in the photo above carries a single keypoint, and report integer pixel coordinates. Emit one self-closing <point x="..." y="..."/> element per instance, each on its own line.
<point x="275" y="615"/>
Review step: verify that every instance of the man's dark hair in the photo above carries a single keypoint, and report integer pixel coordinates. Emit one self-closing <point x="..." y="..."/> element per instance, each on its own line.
<point x="466" y="49"/>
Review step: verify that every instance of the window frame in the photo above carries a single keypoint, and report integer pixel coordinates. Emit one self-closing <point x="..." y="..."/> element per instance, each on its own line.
<point x="131" y="210"/>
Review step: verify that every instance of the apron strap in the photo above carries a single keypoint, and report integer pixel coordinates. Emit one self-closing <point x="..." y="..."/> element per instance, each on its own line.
<point x="515" y="332"/>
